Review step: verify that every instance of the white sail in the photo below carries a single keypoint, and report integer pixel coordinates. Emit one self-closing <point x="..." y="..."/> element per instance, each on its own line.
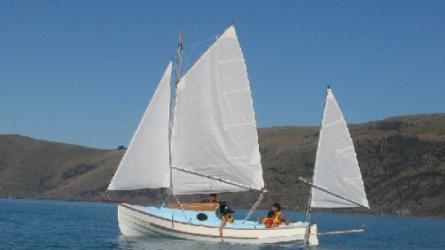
<point x="336" y="166"/>
<point x="214" y="128"/>
<point x="146" y="161"/>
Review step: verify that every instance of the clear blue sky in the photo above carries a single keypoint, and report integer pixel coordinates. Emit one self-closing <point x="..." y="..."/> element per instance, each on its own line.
<point x="83" y="71"/>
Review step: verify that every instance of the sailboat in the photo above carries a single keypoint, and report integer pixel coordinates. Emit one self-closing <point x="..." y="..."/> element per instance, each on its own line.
<point x="201" y="138"/>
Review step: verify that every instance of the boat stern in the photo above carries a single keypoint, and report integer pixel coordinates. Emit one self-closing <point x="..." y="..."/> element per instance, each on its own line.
<point x="312" y="235"/>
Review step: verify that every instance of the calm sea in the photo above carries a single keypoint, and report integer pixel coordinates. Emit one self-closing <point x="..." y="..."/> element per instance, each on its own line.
<point x="31" y="224"/>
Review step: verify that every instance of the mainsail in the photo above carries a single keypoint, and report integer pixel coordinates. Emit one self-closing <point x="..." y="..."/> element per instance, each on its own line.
<point x="214" y="129"/>
<point x="145" y="163"/>
<point x="337" y="179"/>
<point x="214" y="142"/>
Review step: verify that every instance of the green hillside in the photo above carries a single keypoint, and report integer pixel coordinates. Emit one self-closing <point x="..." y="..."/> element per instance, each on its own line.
<point x="402" y="161"/>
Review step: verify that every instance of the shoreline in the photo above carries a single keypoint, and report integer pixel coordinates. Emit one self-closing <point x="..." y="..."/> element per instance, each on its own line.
<point x="243" y="208"/>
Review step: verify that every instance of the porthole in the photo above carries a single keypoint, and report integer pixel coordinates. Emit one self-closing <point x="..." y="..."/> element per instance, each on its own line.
<point x="201" y="216"/>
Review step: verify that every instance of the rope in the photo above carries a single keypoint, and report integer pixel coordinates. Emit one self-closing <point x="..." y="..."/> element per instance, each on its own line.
<point x="192" y="46"/>
<point x="255" y="206"/>
<point x="180" y="205"/>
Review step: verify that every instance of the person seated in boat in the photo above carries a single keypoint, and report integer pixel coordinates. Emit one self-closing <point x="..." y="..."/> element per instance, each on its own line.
<point x="212" y="198"/>
<point x="222" y="205"/>
<point x="278" y="217"/>
<point x="268" y="221"/>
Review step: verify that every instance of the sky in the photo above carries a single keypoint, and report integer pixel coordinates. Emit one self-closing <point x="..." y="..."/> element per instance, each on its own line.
<point x="83" y="72"/>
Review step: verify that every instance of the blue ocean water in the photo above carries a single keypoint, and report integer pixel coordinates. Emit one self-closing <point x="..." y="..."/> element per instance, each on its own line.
<point x="33" y="224"/>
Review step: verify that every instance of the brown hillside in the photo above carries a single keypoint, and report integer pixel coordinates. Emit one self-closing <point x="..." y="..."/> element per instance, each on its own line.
<point x="402" y="161"/>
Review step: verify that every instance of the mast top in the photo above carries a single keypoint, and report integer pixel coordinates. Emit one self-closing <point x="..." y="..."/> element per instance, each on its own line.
<point x="180" y="40"/>
<point x="178" y="59"/>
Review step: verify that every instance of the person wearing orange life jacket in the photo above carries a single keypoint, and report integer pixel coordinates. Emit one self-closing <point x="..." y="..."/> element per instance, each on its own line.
<point x="212" y="198"/>
<point x="278" y="217"/>
<point x="268" y="221"/>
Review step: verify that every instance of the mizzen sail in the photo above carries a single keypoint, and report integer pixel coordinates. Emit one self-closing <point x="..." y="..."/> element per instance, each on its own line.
<point x="336" y="166"/>
<point x="146" y="161"/>
<point x="214" y="128"/>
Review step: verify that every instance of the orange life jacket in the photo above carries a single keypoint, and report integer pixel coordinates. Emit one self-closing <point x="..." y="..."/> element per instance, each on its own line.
<point x="228" y="218"/>
<point x="268" y="222"/>
<point x="277" y="218"/>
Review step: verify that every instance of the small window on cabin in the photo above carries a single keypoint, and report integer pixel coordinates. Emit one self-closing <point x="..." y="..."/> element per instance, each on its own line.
<point x="201" y="216"/>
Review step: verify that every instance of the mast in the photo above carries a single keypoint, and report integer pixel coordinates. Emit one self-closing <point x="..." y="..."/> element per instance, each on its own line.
<point x="309" y="202"/>
<point x="175" y="81"/>
<point x="176" y="78"/>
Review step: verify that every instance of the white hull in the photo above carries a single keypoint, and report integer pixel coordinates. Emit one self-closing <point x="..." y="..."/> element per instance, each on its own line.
<point x="133" y="222"/>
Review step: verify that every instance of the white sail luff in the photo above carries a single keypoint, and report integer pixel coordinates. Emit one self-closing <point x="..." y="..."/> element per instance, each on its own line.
<point x="214" y="130"/>
<point x="146" y="161"/>
<point x="336" y="166"/>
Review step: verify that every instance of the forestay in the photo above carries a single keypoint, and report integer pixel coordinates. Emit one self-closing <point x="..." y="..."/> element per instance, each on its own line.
<point x="146" y="161"/>
<point x="214" y="129"/>
<point x="336" y="167"/>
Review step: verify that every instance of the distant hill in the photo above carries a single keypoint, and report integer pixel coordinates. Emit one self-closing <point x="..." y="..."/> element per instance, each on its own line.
<point x="402" y="161"/>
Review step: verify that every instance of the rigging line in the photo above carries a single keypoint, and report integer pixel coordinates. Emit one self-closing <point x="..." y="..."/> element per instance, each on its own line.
<point x="209" y="40"/>
<point x="329" y="192"/>
<point x="182" y="208"/>
<point x="204" y="52"/>
<point x="215" y="178"/>
<point x="255" y="206"/>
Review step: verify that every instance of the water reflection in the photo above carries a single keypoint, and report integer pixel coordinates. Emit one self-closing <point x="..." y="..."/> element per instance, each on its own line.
<point x="139" y="243"/>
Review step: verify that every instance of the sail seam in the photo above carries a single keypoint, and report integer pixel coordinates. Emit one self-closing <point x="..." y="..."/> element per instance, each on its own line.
<point x="235" y="91"/>
<point x="240" y="125"/>
<point x="332" y="123"/>
<point x="230" y="60"/>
